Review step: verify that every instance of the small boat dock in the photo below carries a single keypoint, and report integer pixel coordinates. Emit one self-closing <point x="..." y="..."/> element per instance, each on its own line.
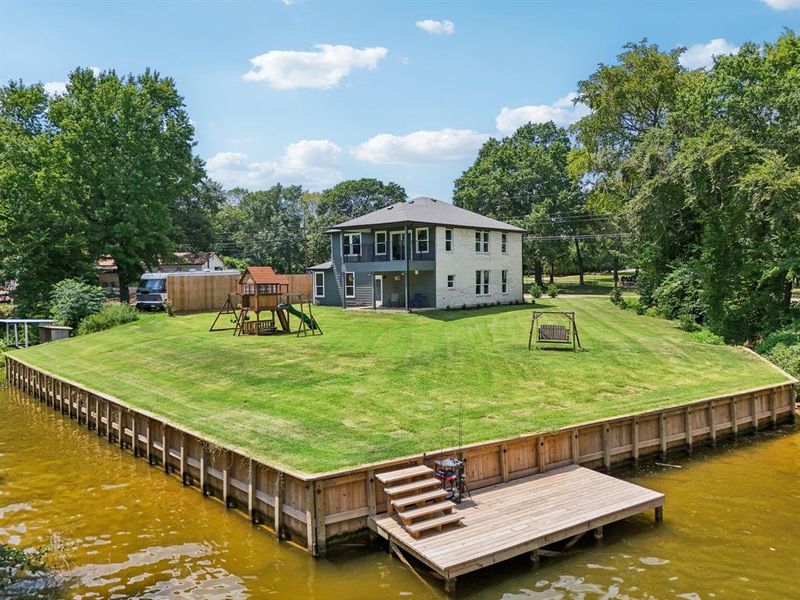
<point x="520" y="517"/>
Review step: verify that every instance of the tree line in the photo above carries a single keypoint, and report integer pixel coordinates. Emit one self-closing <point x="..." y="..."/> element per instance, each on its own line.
<point x="699" y="169"/>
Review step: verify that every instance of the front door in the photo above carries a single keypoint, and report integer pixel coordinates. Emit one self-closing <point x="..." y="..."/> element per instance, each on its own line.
<point x="378" y="290"/>
<point x="398" y="245"/>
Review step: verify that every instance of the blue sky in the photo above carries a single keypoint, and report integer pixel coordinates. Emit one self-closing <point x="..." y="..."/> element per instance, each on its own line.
<point x="336" y="90"/>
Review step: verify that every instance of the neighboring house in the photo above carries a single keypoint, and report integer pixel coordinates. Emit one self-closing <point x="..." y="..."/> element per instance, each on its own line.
<point x="421" y="253"/>
<point x="192" y="261"/>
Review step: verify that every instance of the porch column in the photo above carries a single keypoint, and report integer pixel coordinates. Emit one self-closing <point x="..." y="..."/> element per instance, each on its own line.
<point x="374" y="306"/>
<point x="407" y="248"/>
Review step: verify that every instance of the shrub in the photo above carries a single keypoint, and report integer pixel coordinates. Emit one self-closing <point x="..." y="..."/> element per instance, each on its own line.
<point x="111" y="315"/>
<point x="680" y="292"/>
<point x="706" y="336"/>
<point x="71" y="301"/>
<point x="783" y="337"/>
<point x="687" y="322"/>
<point x="552" y="290"/>
<point x="655" y="312"/>
<point x="6" y="310"/>
<point x="535" y="291"/>
<point x="615" y="296"/>
<point x="169" y="308"/>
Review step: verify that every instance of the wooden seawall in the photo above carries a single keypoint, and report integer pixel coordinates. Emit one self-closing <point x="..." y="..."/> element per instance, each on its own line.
<point x="316" y="510"/>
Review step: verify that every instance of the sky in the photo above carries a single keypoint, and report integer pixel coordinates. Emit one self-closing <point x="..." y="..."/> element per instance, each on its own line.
<point x="311" y="93"/>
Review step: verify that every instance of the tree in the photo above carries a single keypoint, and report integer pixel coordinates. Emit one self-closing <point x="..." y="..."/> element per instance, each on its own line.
<point x="124" y="153"/>
<point x="193" y="214"/>
<point x="41" y="229"/>
<point x="523" y="179"/>
<point x="727" y="163"/>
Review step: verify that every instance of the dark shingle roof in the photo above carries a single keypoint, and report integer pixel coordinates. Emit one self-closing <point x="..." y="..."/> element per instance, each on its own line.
<point x="429" y="211"/>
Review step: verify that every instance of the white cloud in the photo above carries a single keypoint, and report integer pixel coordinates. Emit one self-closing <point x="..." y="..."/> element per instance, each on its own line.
<point x="323" y="69"/>
<point x="55" y="88"/>
<point x="420" y="146"/>
<point x="437" y="27"/>
<point x="702" y="55"/>
<point x="562" y="112"/>
<point x="782" y="4"/>
<point x="313" y="163"/>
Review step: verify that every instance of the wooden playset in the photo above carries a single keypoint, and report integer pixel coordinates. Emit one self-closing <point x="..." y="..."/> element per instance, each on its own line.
<point x="264" y="306"/>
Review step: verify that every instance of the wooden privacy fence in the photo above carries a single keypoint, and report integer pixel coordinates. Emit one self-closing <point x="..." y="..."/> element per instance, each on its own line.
<point x="322" y="508"/>
<point x="299" y="284"/>
<point x="200" y="291"/>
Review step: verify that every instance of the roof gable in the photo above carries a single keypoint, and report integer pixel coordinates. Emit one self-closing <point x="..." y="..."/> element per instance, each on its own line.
<point x="262" y="275"/>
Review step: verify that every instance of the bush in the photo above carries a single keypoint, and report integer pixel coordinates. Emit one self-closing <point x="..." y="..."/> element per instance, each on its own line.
<point x="687" y="322"/>
<point x="111" y="315"/>
<point x="71" y="301"/>
<point x="706" y="336"/>
<point x="680" y="292"/>
<point x="169" y="308"/>
<point x="6" y="310"/>
<point x="535" y="291"/>
<point x="552" y="290"/>
<point x="615" y="296"/>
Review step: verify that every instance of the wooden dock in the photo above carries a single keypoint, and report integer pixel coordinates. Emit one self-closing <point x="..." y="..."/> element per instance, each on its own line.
<point x="510" y="519"/>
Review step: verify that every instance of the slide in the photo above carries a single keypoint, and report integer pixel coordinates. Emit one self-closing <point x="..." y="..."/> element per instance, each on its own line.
<point x="300" y="315"/>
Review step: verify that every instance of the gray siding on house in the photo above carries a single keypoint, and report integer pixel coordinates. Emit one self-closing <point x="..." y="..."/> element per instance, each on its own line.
<point x="331" y="297"/>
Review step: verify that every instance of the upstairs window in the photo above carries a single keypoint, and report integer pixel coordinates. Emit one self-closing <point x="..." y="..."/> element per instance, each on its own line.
<point x="448" y="240"/>
<point x="504" y="243"/>
<point x="422" y="240"/>
<point x="351" y="244"/>
<point x="482" y="241"/>
<point x="380" y="243"/>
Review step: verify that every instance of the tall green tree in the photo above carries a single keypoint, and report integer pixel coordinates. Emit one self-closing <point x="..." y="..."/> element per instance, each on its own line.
<point x="193" y="214"/>
<point x="124" y="151"/>
<point x="41" y="229"/>
<point x="523" y="179"/>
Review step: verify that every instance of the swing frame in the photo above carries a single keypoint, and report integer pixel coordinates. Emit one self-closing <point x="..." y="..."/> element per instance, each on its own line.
<point x="573" y="337"/>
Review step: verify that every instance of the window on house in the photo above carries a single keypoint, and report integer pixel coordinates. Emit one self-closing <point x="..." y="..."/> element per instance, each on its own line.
<point x="451" y="281"/>
<point x="349" y="284"/>
<point x="380" y="242"/>
<point x="482" y="283"/>
<point x="481" y="241"/>
<point x="504" y="243"/>
<point x="352" y="244"/>
<point x="448" y="240"/>
<point x="422" y="240"/>
<point x="319" y="284"/>
<point x="504" y="281"/>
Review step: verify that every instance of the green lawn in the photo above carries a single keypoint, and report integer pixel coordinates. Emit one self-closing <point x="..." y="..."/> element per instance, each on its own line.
<point x="594" y="283"/>
<point x="379" y="385"/>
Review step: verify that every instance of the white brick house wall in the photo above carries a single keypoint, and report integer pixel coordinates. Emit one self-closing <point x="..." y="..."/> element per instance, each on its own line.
<point x="463" y="261"/>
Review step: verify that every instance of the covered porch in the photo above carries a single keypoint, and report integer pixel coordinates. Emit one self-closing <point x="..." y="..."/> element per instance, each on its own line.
<point x="400" y="290"/>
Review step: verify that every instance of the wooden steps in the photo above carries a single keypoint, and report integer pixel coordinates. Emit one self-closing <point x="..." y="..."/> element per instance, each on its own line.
<point x="444" y="506"/>
<point x="402" y="503"/>
<point x="414" y="486"/>
<point x="403" y="474"/>
<point x="420" y="527"/>
<point x="420" y="499"/>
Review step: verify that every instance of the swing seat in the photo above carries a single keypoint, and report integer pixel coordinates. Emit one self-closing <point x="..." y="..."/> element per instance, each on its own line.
<point x="553" y="333"/>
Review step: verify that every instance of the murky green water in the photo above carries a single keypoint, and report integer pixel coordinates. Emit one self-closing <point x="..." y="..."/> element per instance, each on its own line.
<point x="731" y="530"/>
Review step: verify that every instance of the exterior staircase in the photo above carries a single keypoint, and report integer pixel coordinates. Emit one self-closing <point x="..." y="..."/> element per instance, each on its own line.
<point x="418" y="499"/>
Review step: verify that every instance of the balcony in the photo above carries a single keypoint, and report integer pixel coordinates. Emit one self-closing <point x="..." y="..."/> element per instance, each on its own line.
<point x="368" y="254"/>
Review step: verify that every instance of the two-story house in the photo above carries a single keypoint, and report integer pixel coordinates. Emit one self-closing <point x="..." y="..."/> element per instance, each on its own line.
<point x="419" y="254"/>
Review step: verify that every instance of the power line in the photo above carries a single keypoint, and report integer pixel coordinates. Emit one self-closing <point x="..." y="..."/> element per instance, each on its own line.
<point x="577" y="236"/>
